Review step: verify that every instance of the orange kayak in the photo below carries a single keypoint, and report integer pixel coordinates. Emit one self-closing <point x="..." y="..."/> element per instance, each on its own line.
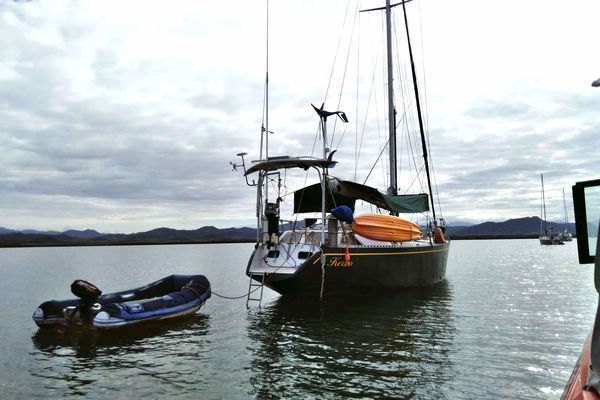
<point x="387" y="228"/>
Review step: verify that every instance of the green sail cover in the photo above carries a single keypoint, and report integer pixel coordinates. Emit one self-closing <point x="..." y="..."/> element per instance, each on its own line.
<point x="407" y="203"/>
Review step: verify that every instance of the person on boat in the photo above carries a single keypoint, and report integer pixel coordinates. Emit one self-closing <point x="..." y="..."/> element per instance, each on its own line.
<point x="438" y="235"/>
<point x="443" y="225"/>
<point x="438" y="231"/>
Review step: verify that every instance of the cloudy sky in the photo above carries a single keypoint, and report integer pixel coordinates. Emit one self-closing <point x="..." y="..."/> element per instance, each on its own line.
<point x="122" y="116"/>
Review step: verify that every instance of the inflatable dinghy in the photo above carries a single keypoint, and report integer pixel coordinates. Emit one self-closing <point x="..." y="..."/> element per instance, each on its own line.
<point x="171" y="297"/>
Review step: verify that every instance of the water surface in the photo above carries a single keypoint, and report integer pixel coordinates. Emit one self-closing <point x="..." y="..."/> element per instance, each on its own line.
<point x="508" y="322"/>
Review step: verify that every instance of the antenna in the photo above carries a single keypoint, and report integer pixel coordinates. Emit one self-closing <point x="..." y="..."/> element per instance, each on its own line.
<point x="243" y="165"/>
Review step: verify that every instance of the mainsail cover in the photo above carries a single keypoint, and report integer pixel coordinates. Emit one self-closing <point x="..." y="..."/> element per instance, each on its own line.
<point x="308" y="199"/>
<point x="341" y="192"/>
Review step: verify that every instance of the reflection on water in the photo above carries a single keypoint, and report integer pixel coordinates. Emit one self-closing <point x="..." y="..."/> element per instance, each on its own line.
<point x="370" y="346"/>
<point x="159" y="353"/>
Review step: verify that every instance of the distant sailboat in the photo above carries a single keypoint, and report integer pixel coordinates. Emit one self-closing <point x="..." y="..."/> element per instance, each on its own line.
<point x="547" y="236"/>
<point x="565" y="234"/>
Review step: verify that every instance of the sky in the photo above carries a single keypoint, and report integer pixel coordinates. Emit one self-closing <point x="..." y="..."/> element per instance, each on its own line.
<point x="123" y="116"/>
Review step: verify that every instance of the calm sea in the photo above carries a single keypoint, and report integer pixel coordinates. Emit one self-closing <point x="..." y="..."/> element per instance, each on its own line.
<point x="508" y="323"/>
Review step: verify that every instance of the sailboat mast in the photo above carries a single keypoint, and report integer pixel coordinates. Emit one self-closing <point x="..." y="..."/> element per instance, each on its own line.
<point x="266" y="133"/>
<point x="565" y="210"/>
<point x="419" y="113"/>
<point x="393" y="189"/>
<point x="543" y="205"/>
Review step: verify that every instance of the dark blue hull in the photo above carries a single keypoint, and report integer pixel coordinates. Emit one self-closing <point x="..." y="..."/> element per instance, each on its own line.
<point x="171" y="297"/>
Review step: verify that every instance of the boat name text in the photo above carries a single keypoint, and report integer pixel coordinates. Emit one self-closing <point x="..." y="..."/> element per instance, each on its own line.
<point x="338" y="262"/>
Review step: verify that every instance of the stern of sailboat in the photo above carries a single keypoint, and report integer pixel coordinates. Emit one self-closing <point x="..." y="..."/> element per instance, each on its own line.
<point x="351" y="263"/>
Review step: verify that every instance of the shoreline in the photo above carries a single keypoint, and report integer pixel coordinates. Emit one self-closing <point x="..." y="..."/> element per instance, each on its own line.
<point x="92" y="242"/>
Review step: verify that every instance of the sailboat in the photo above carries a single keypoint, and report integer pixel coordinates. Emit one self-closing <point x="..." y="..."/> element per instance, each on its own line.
<point x="565" y="235"/>
<point x="333" y="250"/>
<point x="547" y="235"/>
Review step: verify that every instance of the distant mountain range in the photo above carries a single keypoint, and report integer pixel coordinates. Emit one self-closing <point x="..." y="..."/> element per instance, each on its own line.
<point x="528" y="227"/>
<point x="89" y="237"/>
<point x="512" y="228"/>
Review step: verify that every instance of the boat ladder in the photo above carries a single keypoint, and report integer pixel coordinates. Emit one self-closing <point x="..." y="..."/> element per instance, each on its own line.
<point x="254" y="287"/>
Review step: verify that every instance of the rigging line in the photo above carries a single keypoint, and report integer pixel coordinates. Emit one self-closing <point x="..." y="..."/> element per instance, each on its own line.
<point x="345" y="70"/>
<point x="433" y="174"/>
<point x="423" y="98"/>
<point x="409" y="120"/>
<point x="403" y="90"/>
<point x="423" y="74"/>
<point x="375" y="163"/>
<point x="356" y="148"/>
<point x="368" y="106"/>
<point x="336" y="53"/>
<point x="317" y="136"/>
<point x="364" y="127"/>
<point x="418" y="161"/>
<point x="372" y="95"/>
<point x="271" y="181"/>
<point x="419" y="114"/>
<point x="437" y="196"/>
<point x="411" y="139"/>
<point x="411" y="145"/>
<point x="402" y="122"/>
<point x="415" y="178"/>
<point x="341" y="136"/>
<point x="285" y="186"/>
<point x="408" y="117"/>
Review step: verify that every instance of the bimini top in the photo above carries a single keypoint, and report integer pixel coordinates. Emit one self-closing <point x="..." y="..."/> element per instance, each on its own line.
<point x="283" y="162"/>
<point x="341" y="192"/>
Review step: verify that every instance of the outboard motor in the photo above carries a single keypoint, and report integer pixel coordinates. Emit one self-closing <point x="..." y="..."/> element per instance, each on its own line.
<point x="88" y="294"/>
<point x="272" y="214"/>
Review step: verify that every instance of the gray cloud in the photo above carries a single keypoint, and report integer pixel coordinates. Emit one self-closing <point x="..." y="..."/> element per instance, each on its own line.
<point x="125" y="121"/>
